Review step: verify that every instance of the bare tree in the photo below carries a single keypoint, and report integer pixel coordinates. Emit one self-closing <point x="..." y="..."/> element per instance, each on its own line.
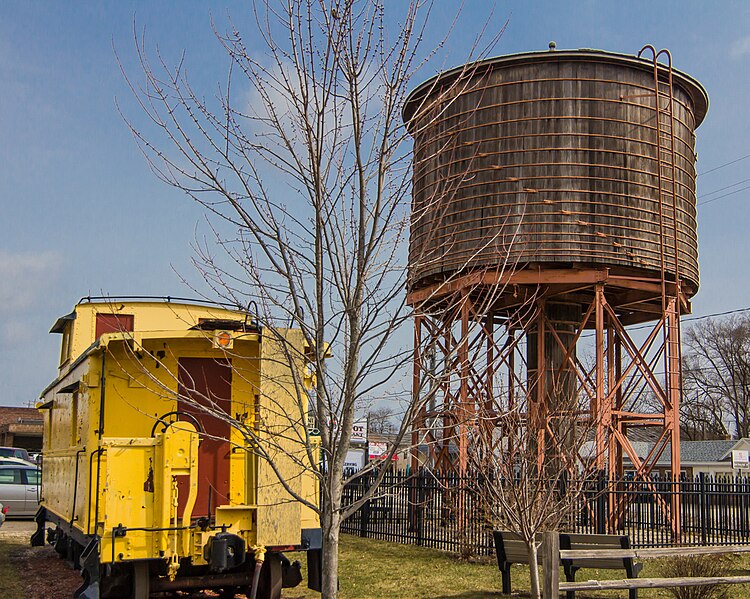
<point x="717" y="377"/>
<point x="534" y="463"/>
<point x="701" y="416"/>
<point x="302" y="166"/>
<point x="380" y="420"/>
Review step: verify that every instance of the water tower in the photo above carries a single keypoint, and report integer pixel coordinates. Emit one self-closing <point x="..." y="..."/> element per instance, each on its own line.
<point x="554" y="206"/>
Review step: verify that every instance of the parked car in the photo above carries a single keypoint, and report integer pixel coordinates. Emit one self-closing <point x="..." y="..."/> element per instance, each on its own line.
<point x="15" y="462"/>
<point x="15" y="452"/>
<point x="3" y="511"/>
<point x="19" y="489"/>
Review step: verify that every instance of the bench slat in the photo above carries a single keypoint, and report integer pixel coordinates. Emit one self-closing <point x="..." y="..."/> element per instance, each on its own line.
<point x="599" y="564"/>
<point x="594" y="539"/>
<point x="650" y="583"/>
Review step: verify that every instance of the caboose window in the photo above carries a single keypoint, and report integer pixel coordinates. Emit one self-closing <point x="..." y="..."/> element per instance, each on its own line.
<point x="65" y="348"/>
<point x="113" y="323"/>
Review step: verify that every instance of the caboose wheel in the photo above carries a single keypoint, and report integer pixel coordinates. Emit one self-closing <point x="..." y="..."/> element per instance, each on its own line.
<point x="60" y="542"/>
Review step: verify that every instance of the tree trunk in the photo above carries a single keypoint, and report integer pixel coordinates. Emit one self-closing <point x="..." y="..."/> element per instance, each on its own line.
<point x="534" y="570"/>
<point x="331" y="522"/>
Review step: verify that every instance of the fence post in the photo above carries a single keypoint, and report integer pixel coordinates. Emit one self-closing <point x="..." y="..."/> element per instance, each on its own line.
<point x="743" y="493"/>
<point x="551" y="564"/>
<point x="702" y="506"/>
<point x="364" y="519"/>
<point x="601" y="504"/>
<point x="420" y="481"/>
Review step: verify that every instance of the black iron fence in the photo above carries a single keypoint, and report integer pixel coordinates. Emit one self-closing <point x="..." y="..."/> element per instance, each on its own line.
<point x="445" y="511"/>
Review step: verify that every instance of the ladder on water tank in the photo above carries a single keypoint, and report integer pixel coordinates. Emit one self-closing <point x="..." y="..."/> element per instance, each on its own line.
<point x="667" y="178"/>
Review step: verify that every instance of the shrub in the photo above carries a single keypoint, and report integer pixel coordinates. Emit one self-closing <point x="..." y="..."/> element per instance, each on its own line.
<point x="698" y="566"/>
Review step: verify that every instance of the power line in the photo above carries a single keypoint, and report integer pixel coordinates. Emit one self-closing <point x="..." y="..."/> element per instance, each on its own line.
<point x="726" y="194"/>
<point x="710" y="193"/>
<point x="694" y="318"/>
<point x="716" y="168"/>
<point x="727" y="313"/>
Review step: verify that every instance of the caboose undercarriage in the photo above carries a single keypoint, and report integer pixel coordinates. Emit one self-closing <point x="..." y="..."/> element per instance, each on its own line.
<point x="230" y="569"/>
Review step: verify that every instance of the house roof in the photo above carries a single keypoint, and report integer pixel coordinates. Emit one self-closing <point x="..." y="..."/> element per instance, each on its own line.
<point x="692" y="452"/>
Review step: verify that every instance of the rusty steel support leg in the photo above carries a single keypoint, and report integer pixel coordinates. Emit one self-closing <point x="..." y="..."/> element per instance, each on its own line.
<point x="540" y="389"/>
<point x="489" y="378"/>
<point x="672" y="411"/>
<point x="511" y="391"/>
<point x="463" y="409"/>
<point x="619" y="405"/>
<point x="607" y="418"/>
<point x="449" y="407"/>
<point x="597" y="410"/>
<point x="418" y="425"/>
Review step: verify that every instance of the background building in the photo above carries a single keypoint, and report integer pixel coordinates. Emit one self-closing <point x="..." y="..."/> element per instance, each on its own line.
<point x="21" y="427"/>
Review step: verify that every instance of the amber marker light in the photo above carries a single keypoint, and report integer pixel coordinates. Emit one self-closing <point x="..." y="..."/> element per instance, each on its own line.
<point x="223" y="340"/>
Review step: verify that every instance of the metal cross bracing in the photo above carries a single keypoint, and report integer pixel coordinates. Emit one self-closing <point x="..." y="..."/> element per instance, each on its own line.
<point x="490" y="343"/>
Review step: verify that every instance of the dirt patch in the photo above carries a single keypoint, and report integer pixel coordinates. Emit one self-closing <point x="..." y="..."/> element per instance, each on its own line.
<point x="43" y="573"/>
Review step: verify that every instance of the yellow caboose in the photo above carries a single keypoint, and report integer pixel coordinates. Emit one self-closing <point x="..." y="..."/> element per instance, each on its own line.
<point x="176" y="454"/>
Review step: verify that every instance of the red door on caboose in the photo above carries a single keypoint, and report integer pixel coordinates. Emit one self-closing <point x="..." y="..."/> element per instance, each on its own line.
<point x="207" y="382"/>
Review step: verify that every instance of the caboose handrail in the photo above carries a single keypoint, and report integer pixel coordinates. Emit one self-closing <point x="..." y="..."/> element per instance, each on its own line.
<point x="90" y="299"/>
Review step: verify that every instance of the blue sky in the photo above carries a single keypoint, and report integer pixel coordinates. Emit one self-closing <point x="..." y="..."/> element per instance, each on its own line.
<point x="80" y="212"/>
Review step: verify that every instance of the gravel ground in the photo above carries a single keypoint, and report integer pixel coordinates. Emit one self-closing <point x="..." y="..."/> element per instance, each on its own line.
<point x="43" y="573"/>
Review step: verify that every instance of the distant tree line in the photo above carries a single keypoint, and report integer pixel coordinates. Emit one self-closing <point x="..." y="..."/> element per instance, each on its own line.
<point x="716" y="379"/>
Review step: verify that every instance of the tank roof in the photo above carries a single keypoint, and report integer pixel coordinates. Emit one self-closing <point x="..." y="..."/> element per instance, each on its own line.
<point x="693" y="87"/>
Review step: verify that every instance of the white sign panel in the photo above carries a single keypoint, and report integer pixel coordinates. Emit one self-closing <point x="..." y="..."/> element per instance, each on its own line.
<point x="378" y="451"/>
<point x="740" y="459"/>
<point x="359" y="432"/>
<point x="355" y="460"/>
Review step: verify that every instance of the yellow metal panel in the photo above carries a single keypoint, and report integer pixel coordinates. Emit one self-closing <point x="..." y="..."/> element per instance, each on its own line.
<point x="139" y="491"/>
<point x="127" y="497"/>
<point x="131" y="410"/>
<point x="239" y="519"/>
<point x="67" y="429"/>
<point x="245" y="387"/>
<point x="283" y="413"/>
<point x="58" y="482"/>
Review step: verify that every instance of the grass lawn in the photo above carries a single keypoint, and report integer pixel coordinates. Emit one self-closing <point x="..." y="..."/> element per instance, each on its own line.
<point x="371" y="568"/>
<point x="377" y="569"/>
<point x="11" y="585"/>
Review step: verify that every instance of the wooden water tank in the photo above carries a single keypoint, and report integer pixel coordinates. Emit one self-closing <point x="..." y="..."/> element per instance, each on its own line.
<point x="550" y="160"/>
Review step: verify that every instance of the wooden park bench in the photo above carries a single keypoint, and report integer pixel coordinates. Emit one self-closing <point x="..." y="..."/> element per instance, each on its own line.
<point x="587" y="542"/>
<point x="511" y="549"/>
